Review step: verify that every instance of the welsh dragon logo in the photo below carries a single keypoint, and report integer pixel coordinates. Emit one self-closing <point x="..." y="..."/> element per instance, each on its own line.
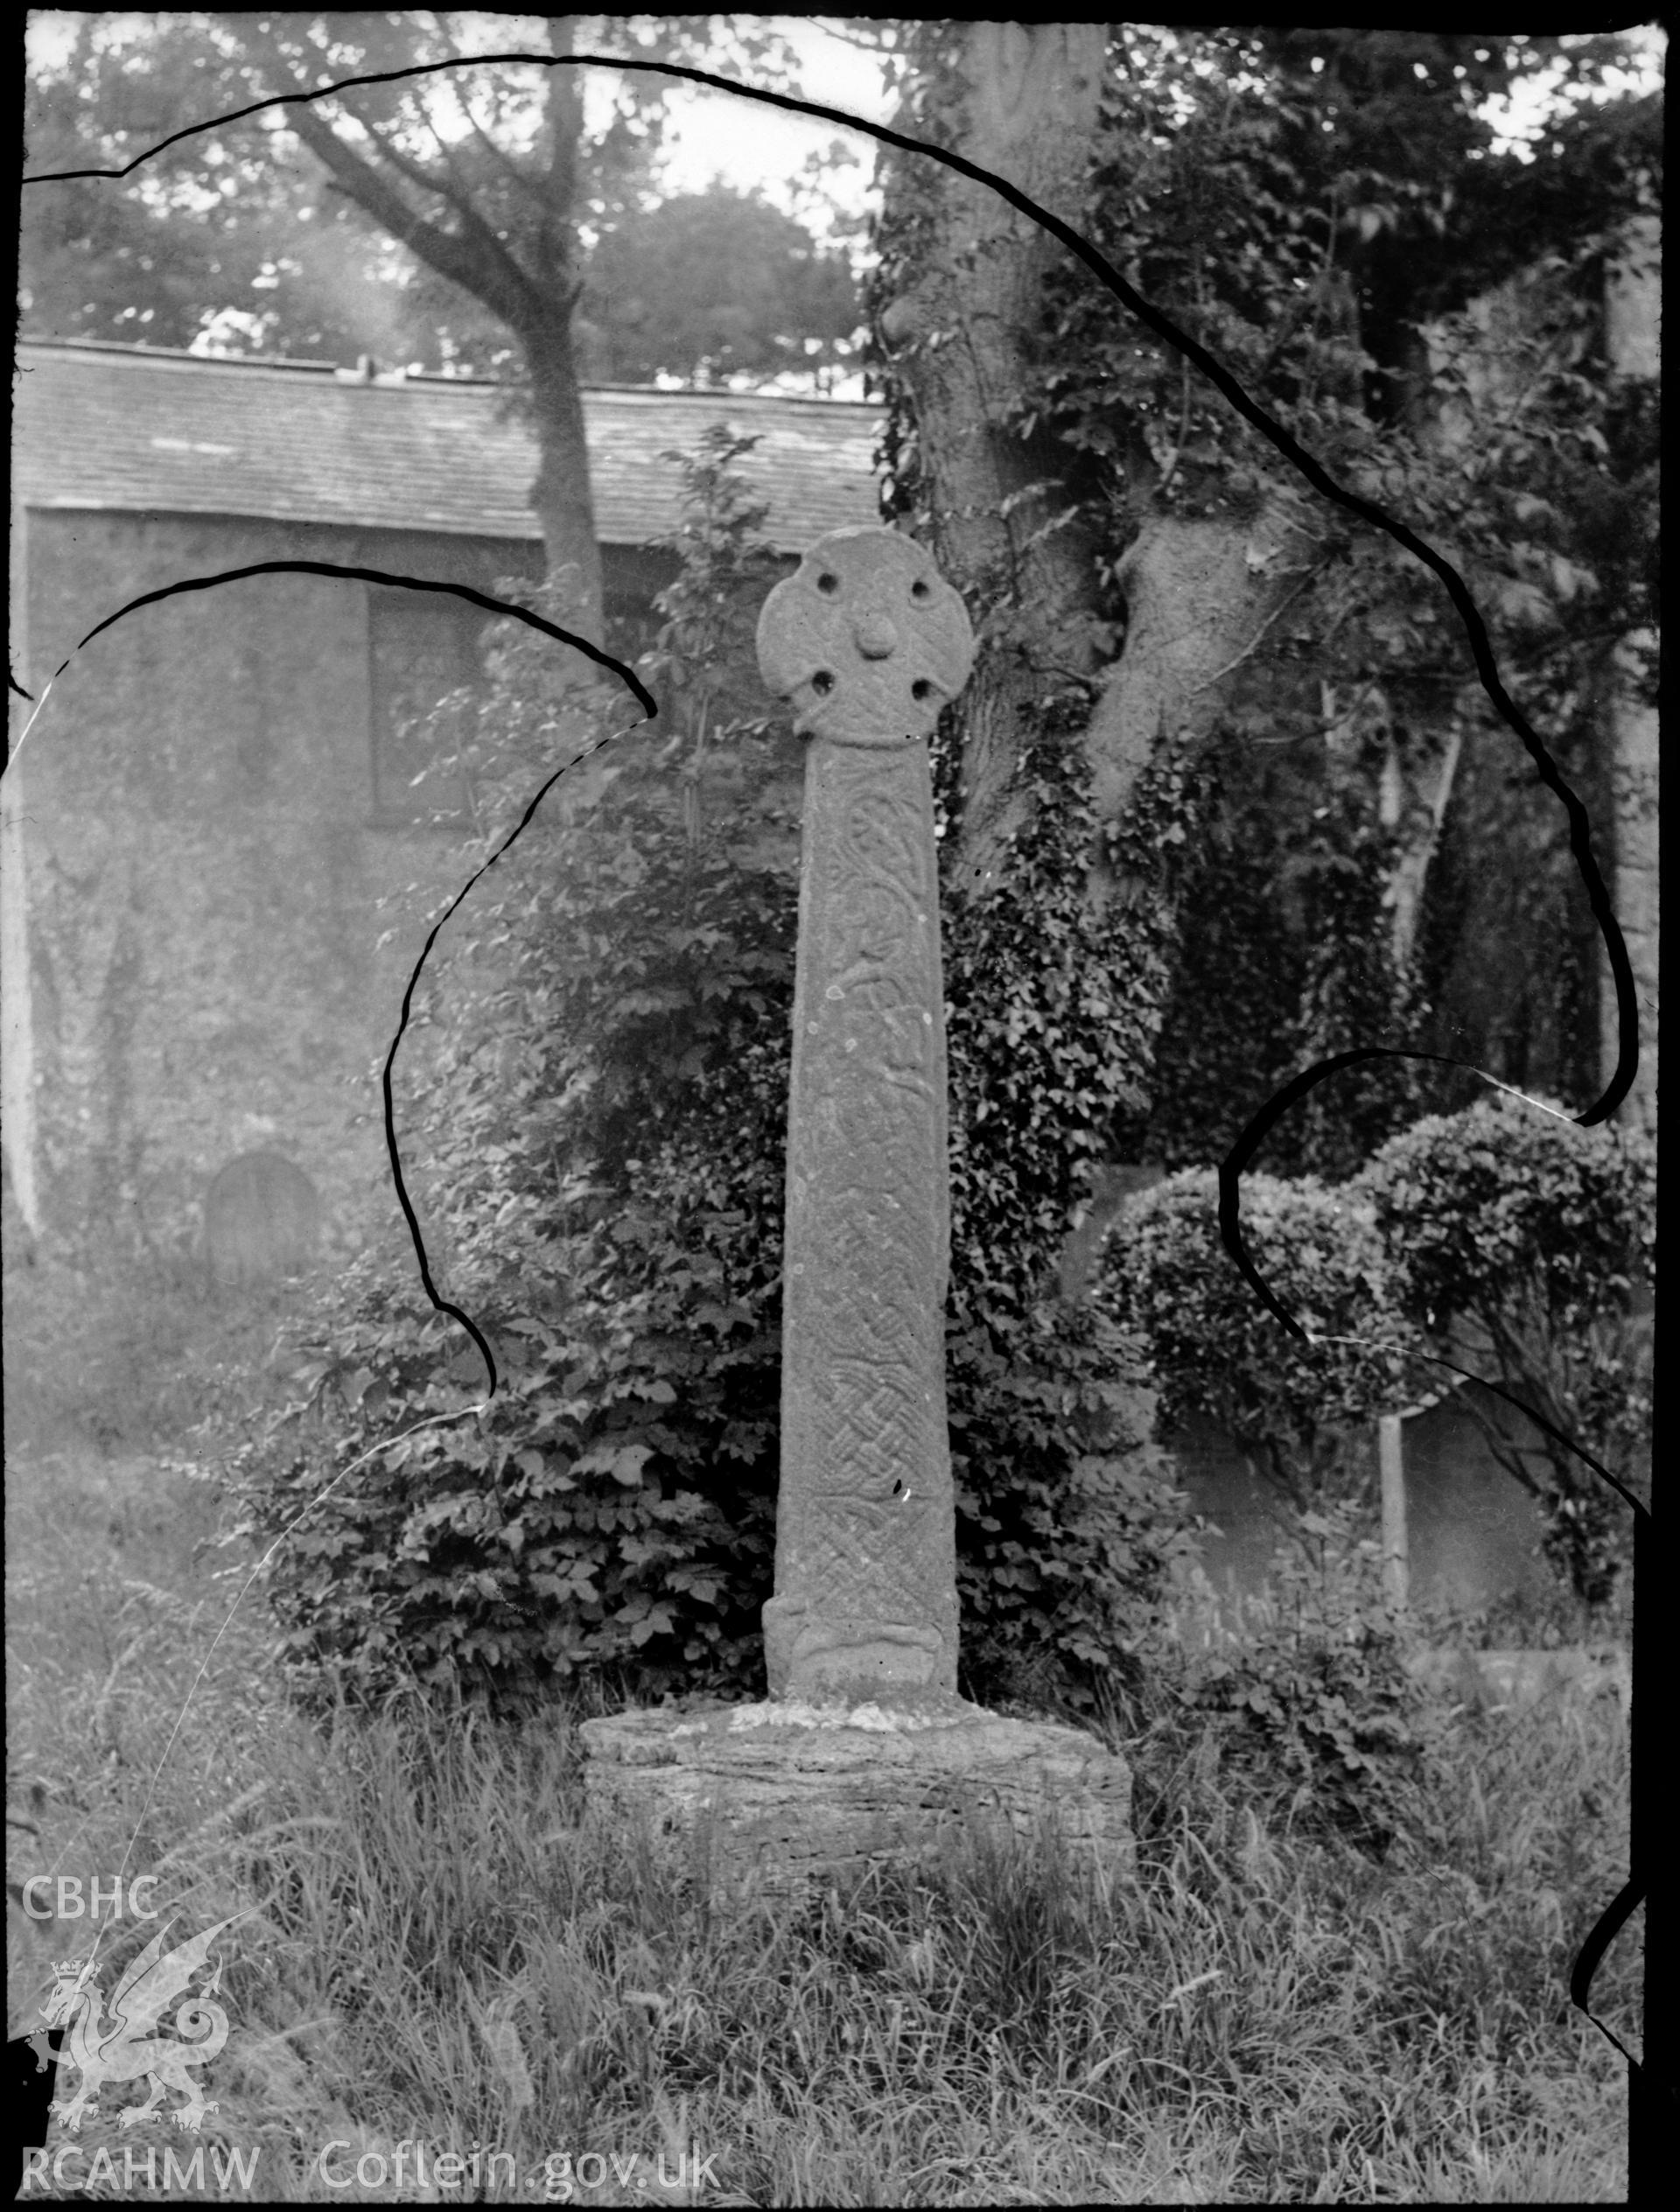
<point x="129" y="2048"/>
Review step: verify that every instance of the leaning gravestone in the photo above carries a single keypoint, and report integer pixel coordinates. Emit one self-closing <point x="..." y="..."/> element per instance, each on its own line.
<point x="863" y="1750"/>
<point x="262" y="1220"/>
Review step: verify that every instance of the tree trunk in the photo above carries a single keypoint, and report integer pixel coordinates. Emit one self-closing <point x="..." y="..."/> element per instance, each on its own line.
<point x="1200" y="592"/>
<point x="525" y="274"/>
<point x="1415" y="817"/>
<point x="561" y="496"/>
<point x="1024" y="106"/>
<point x="1633" y="297"/>
<point x="1634" y="776"/>
<point x="1201" y="595"/>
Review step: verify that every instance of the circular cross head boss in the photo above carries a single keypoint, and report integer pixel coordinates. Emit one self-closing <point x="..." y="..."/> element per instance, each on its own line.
<point x="865" y="640"/>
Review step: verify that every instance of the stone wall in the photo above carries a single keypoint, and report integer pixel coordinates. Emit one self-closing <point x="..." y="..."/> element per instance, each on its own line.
<point x="204" y="865"/>
<point x="1474" y="1534"/>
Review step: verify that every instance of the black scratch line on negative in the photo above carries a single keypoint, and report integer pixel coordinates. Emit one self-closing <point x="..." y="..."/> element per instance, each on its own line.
<point x="443" y="1305"/>
<point x="1603" y="1933"/>
<point x="367" y="576"/>
<point x="495" y="607"/>
<point x="1469" y="1374"/>
<point x="1368" y="511"/>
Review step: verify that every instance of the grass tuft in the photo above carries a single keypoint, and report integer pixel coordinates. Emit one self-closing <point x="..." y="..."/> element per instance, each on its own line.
<point x="441" y="1954"/>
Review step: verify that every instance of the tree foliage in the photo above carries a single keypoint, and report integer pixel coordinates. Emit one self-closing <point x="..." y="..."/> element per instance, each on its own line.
<point x="1327" y="212"/>
<point x="604" y="1122"/>
<point x="479" y="173"/>
<point x="242" y="237"/>
<point x="717" y="288"/>
<point x="227" y="235"/>
<point x="1351" y="207"/>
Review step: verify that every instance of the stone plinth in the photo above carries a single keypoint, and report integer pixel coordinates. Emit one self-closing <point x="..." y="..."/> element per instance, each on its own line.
<point x="792" y="1792"/>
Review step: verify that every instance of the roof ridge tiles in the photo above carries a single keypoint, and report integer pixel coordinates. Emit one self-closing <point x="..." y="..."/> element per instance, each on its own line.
<point x="158" y="356"/>
<point x="103" y="427"/>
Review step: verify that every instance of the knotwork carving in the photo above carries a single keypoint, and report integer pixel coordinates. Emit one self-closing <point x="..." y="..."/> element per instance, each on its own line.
<point x="865" y="1532"/>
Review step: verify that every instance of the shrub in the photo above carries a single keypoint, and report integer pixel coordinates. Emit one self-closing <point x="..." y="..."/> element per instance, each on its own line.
<point x="1211" y="1348"/>
<point x="1524" y="1247"/>
<point x="1068" y="1519"/>
<point x="1311" y="1698"/>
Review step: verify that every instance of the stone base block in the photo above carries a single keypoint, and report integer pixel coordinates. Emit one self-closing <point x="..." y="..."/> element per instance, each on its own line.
<point x="780" y="1792"/>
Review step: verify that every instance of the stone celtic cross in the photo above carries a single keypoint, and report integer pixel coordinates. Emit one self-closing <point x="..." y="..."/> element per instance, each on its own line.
<point x="864" y="1752"/>
<point x="867" y="642"/>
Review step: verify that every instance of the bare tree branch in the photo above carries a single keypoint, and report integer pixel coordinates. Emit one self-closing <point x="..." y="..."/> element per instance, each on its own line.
<point x="406" y="165"/>
<point x="503" y="159"/>
<point x="475" y="258"/>
<point x="552" y="246"/>
<point x="876" y="45"/>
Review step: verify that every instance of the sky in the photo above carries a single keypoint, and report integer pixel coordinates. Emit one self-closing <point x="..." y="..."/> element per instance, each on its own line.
<point x="747" y="144"/>
<point x="712" y="134"/>
<point x="1523" y="116"/>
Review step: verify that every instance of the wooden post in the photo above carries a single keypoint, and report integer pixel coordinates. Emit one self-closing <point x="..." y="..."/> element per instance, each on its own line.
<point x="1390" y="1456"/>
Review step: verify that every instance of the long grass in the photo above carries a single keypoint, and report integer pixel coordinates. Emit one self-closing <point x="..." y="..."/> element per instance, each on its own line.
<point x="440" y="1954"/>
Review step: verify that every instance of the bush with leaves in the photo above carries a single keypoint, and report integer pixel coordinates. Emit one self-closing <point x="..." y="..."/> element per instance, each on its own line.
<point x="1068" y="1516"/>
<point x="1213" y="1350"/>
<point x="600" y="1101"/>
<point x="1314" y="1697"/>
<point x="1525" y="1247"/>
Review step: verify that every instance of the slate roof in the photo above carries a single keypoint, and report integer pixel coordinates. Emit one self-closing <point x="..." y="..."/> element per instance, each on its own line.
<point x="106" y="426"/>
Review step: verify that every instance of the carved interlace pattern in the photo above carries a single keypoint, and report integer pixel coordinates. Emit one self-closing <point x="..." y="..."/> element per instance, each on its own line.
<point x="866" y="1547"/>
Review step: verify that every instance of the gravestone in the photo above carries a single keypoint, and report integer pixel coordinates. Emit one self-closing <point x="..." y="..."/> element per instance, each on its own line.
<point x="863" y="1750"/>
<point x="262" y="1220"/>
